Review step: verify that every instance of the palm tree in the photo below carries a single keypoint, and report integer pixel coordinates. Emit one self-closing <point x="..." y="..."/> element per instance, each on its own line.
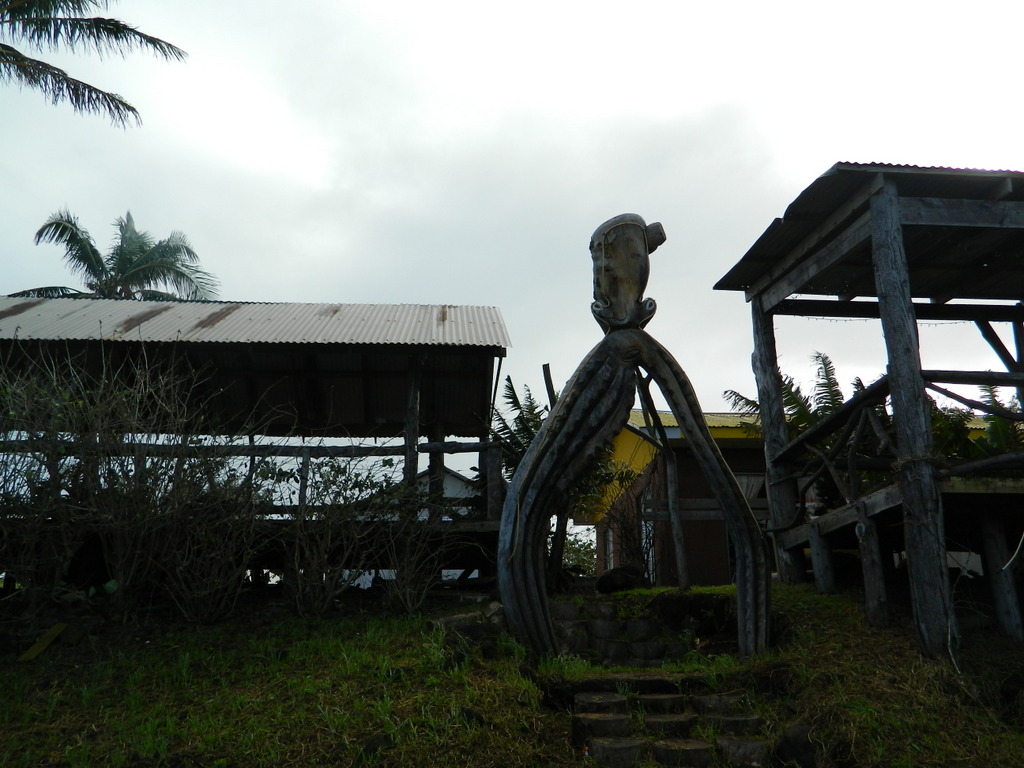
<point x="65" y="24"/>
<point x="137" y="266"/>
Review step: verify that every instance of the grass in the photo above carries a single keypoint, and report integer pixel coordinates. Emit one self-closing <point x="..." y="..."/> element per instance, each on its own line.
<point x="347" y="692"/>
<point x="376" y="690"/>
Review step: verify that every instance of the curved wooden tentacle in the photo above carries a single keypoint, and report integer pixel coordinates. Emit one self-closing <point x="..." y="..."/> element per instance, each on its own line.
<point x="752" y="572"/>
<point x="592" y="409"/>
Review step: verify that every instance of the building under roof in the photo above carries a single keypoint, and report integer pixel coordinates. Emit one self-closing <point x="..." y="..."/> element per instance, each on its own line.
<point x="328" y="370"/>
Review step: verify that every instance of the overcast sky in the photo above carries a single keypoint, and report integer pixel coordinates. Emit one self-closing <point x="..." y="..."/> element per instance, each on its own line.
<point x="463" y="152"/>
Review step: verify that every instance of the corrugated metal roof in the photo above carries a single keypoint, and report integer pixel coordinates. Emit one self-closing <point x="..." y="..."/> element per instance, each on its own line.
<point x="713" y="420"/>
<point x="106" y="319"/>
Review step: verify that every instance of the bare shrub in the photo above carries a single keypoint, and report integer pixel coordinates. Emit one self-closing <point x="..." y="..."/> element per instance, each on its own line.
<point x="335" y="533"/>
<point x="105" y="451"/>
<point x="418" y="544"/>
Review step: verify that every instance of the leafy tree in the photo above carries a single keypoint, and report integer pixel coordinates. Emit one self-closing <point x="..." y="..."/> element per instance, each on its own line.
<point x="66" y="25"/>
<point x="802" y="411"/>
<point x="137" y="266"/>
<point x="515" y="432"/>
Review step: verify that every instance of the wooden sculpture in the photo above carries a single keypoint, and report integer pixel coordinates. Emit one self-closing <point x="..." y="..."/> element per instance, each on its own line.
<point x="591" y="411"/>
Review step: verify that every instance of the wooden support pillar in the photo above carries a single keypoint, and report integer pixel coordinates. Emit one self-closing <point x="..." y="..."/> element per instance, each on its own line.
<point x="435" y="464"/>
<point x="490" y="462"/>
<point x="821" y="561"/>
<point x="675" y="515"/>
<point x="1004" y="591"/>
<point x="412" y="422"/>
<point x="876" y="599"/>
<point x="782" y="490"/>
<point x="924" y="529"/>
<point x="304" y="476"/>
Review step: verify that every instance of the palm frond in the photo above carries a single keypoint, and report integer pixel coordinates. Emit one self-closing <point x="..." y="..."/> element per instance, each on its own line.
<point x="828" y="395"/>
<point x="49" y="292"/>
<point x="58" y="86"/>
<point x="80" y="252"/>
<point x="741" y="404"/>
<point x="74" y="32"/>
<point x="67" y="25"/>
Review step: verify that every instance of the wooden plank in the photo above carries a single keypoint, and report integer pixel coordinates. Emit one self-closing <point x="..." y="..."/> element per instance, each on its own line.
<point x="795" y="538"/>
<point x="267" y="450"/>
<point x="958" y="212"/>
<point x="43" y="642"/>
<point x="923" y="528"/>
<point x="871" y="504"/>
<point x="976" y="378"/>
<point x="820" y="234"/>
<point x="995" y="313"/>
<point x="1004" y="590"/>
<point x="697" y="509"/>
<point x="855" y="235"/>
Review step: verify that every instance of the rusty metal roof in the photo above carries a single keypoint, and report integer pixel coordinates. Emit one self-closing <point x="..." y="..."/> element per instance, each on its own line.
<point x="946" y="260"/>
<point x="335" y="370"/>
<point x="172" y="321"/>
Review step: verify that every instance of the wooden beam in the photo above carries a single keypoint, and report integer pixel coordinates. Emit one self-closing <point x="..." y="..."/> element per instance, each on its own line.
<point x="412" y="420"/>
<point x="819" y="235"/>
<point x="976" y="378"/>
<point x="870" y="505"/>
<point x="958" y="212"/>
<point x="869" y="309"/>
<point x="923" y="527"/>
<point x="854" y="235"/>
<point x="698" y="509"/>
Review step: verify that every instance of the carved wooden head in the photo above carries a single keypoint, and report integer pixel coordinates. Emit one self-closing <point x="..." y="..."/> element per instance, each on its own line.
<point x="620" y="249"/>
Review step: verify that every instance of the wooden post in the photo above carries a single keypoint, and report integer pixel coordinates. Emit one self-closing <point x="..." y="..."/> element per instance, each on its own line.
<point x="821" y="560"/>
<point x="1004" y="591"/>
<point x="782" y="492"/>
<point x="675" y="515"/>
<point x="924" y="530"/>
<point x="435" y="465"/>
<point x="412" y="421"/>
<point x="304" y="477"/>
<point x="490" y="461"/>
<point x="876" y="600"/>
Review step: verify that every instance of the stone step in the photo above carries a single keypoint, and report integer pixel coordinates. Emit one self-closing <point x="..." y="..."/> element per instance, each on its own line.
<point x="599" y="701"/>
<point x="616" y="752"/>
<point x="590" y="725"/>
<point x="661" y="702"/>
<point x="676" y="725"/>
<point x="685" y="752"/>
<point x="716" y="703"/>
<point x="744" y="753"/>
<point x="735" y="725"/>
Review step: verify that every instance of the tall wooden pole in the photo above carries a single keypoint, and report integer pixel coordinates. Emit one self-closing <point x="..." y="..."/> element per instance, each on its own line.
<point x="923" y="526"/>
<point x="412" y="422"/>
<point x="782" y="491"/>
